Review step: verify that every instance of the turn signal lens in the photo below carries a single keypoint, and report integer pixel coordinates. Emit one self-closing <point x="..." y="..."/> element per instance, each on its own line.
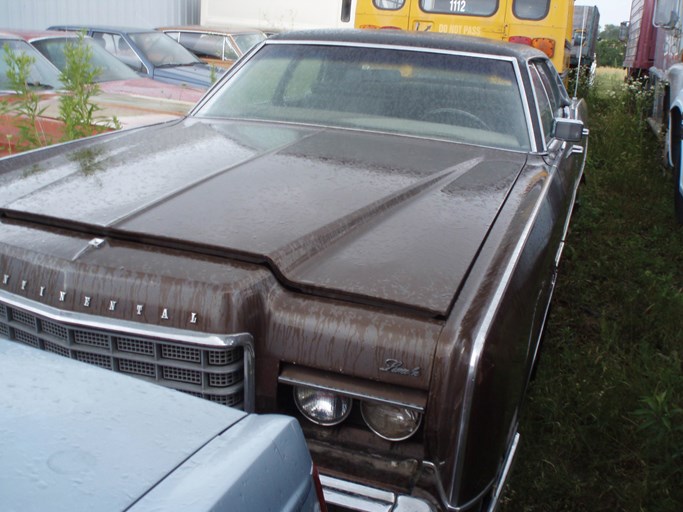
<point x="322" y="407"/>
<point x="544" y="44"/>
<point x="520" y="40"/>
<point x="391" y="422"/>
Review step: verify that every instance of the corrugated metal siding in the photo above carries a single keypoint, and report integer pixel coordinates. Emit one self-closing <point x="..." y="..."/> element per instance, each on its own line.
<point x="39" y="14"/>
<point x="633" y="32"/>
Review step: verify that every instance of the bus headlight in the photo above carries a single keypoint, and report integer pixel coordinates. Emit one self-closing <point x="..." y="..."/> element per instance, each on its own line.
<point x="391" y="422"/>
<point x="322" y="407"/>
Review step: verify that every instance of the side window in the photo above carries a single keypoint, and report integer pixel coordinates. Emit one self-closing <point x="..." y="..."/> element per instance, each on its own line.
<point x="551" y="88"/>
<point x="389" y="5"/>
<point x="204" y="45"/>
<point x="119" y="47"/>
<point x="545" y="108"/>
<point x="548" y="70"/>
<point x="230" y="53"/>
<point x="466" y="7"/>
<point x="531" y="9"/>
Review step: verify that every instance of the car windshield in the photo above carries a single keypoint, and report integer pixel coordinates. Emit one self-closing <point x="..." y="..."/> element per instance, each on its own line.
<point x="41" y="74"/>
<point x="110" y="67"/>
<point x="246" y="42"/>
<point x="420" y="93"/>
<point x="162" y="50"/>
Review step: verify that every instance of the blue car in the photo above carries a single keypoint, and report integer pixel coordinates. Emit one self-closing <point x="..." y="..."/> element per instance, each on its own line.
<point x="78" y="437"/>
<point x="151" y="53"/>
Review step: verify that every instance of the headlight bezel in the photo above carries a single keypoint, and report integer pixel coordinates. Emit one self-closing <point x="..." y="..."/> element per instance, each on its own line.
<point x="310" y="416"/>
<point x="411" y="430"/>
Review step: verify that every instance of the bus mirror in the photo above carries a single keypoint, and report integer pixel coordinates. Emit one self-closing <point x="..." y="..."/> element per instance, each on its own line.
<point x="623" y="31"/>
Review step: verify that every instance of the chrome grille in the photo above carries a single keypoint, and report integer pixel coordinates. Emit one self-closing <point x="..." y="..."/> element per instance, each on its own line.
<point x="217" y="373"/>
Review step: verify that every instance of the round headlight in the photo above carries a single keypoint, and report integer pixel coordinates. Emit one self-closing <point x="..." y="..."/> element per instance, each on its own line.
<point x="322" y="407"/>
<point x="391" y="422"/>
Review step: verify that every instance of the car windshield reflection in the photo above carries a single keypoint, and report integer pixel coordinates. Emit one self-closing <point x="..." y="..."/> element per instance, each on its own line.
<point x="110" y="68"/>
<point x="446" y="96"/>
<point x="41" y="75"/>
<point x="162" y="50"/>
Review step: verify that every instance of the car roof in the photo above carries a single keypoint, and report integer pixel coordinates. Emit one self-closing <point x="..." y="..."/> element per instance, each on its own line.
<point x="106" y="28"/>
<point x="430" y="40"/>
<point x="30" y="35"/>
<point x="214" y="29"/>
<point x="8" y="35"/>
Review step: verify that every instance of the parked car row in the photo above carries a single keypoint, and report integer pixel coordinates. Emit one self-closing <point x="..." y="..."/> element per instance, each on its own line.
<point x="220" y="46"/>
<point x="145" y="75"/>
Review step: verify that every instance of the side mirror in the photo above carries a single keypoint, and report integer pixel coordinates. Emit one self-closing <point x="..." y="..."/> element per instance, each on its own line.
<point x="570" y="130"/>
<point x="623" y="31"/>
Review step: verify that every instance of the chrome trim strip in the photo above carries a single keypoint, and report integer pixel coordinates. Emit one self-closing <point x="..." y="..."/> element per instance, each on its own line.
<point x="355" y="496"/>
<point x="527" y="108"/>
<point x="500" y="485"/>
<point x="480" y="340"/>
<point x="383" y="46"/>
<point x="353" y="394"/>
<point x="244" y="340"/>
<point x="544" y="136"/>
<point x="497" y="485"/>
<point x="442" y="492"/>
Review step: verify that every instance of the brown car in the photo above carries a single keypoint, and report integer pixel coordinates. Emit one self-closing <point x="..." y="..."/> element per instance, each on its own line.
<point x="220" y="46"/>
<point x="361" y="229"/>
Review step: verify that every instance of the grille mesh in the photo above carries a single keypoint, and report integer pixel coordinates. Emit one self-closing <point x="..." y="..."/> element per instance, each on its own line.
<point x="216" y="374"/>
<point x="135" y="346"/>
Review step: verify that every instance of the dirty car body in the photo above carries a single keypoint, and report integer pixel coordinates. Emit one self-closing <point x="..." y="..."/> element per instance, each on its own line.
<point x="361" y="229"/>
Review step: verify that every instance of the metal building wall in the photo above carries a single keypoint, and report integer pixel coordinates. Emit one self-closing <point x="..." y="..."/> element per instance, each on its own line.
<point x="39" y="14"/>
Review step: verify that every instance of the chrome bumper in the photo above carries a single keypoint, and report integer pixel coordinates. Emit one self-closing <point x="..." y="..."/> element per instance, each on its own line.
<point x="353" y="496"/>
<point x="362" y="498"/>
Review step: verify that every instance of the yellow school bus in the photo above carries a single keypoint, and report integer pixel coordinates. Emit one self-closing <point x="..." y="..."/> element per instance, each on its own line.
<point x="544" y="24"/>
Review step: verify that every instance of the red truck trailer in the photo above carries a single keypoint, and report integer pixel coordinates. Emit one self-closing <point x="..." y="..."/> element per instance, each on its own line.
<point x="658" y="52"/>
<point x="641" y="42"/>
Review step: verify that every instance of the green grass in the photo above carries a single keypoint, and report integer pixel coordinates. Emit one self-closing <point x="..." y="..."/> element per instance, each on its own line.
<point x="602" y="428"/>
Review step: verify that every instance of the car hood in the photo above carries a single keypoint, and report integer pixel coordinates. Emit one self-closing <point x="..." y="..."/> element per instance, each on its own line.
<point x="196" y="75"/>
<point x="381" y="218"/>
<point x="76" y="437"/>
<point x="146" y="87"/>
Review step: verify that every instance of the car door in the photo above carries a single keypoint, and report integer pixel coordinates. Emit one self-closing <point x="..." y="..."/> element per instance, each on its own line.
<point x="565" y="163"/>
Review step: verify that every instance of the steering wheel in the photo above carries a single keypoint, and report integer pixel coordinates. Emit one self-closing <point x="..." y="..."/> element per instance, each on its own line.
<point x="453" y="115"/>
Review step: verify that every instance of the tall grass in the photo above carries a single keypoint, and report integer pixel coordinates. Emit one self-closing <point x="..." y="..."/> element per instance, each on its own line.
<point x="602" y="429"/>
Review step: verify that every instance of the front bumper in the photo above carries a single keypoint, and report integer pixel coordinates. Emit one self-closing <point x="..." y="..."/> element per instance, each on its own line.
<point x="354" y="496"/>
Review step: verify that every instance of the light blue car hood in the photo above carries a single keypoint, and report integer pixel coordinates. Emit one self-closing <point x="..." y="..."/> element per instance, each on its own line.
<point x="76" y="437"/>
